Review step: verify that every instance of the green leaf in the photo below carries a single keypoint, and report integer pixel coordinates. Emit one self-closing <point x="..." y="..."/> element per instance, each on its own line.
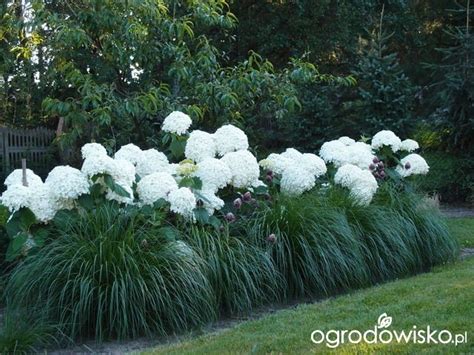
<point x="111" y="184"/>
<point x="15" y="246"/>
<point x="160" y="203"/>
<point x="215" y="222"/>
<point x="4" y="215"/>
<point x="192" y="182"/>
<point x="86" y="202"/>
<point x="21" y="221"/>
<point x="260" y="190"/>
<point x="170" y="233"/>
<point x="202" y="216"/>
<point x="177" y="147"/>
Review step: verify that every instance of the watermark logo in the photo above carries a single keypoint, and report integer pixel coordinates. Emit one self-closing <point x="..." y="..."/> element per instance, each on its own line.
<point x="381" y="334"/>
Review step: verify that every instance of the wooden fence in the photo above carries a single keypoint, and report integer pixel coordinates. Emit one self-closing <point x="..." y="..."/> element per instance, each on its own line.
<point x="32" y="144"/>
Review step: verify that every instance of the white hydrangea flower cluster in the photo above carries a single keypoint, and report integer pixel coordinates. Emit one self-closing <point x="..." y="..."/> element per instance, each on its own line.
<point x="177" y="122"/>
<point x="63" y="185"/>
<point x="347" y="151"/>
<point x="386" y="138"/>
<point x="214" y="173"/>
<point x="298" y="171"/>
<point x="211" y="202"/>
<point x="413" y="164"/>
<point x="92" y="149"/>
<point x="155" y="186"/>
<point x="151" y="161"/>
<point x="409" y="145"/>
<point x="129" y="152"/>
<point x="361" y="183"/>
<point x="182" y="201"/>
<point x="67" y="183"/>
<point x="229" y="139"/>
<point x="200" y="145"/>
<point x="16" y="178"/>
<point x="244" y="168"/>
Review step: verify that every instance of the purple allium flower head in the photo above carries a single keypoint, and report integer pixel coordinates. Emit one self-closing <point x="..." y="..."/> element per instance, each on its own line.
<point x="247" y="196"/>
<point x="230" y="217"/>
<point x="271" y="238"/>
<point x="375" y="160"/>
<point x="382" y="174"/>
<point x="372" y="166"/>
<point x="407" y="165"/>
<point x="269" y="178"/>
<point x="238" y="203"/>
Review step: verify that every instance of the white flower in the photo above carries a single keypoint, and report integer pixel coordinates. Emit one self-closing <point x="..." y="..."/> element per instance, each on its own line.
<point x="313" y="164"/>
<point x="151" y="161"/>
<point x="182" y="201"/>
<point x="186" y="168"/>
<point x="123" y="172"/>
<point x="66" y="182"/>
<point x="200" y="145"/>
<point x="129" y="152"/>
<point x="155" y="186"/>
<point x="409" y="145"/>
<point x="229" y="138"/>
<point x="16" y="197"/>
<point x="346" y="140"/>
<point x="361" y="183"/>
<point x="98" y="164"/>
<point x="92" y="149"/>
<point x="292" y="154"/>
<point x="211" y="202"/>
<point x="413" y="164"/>
<point x="334" y="152"/>
<point x="360" y="154"/>
<point x="42" y="202"/>
<point x="296" y="180"/>
<point x="387" y="138"/>
<point x="243" y="166"/>
<point x="16" y="178"/>
<point x="177" y="122"/>
<point x="214" y="174"/>
<point x="276" y="163"/>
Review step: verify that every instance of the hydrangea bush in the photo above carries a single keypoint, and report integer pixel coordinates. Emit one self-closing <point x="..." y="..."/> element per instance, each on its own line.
<point x="210" y="172"/>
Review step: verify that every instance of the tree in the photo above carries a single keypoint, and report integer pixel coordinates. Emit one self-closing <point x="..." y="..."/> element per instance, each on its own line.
<point x="114" y="69"/>
<point x="385" y="97"/>
<point x="453" y="89"/>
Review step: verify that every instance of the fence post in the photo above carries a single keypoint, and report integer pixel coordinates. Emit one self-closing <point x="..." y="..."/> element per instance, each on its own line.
<point x="23" y="168"/>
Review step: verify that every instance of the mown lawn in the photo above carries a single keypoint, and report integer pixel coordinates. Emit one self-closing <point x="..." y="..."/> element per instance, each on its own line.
<point x="442" y="299"/>
<point x="463" y="229"/>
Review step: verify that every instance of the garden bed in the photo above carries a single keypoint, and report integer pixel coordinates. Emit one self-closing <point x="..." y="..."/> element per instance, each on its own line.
<point x="136" y="245"/>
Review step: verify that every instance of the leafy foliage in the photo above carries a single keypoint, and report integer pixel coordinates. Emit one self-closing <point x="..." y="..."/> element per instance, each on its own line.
<point x="385" y="96"/>
<point x="453" y="90"/>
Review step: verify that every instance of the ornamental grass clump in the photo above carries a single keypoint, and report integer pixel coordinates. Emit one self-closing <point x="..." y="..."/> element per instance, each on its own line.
<point x="315" y="249"/>
<point x="241" y="274"/>
<point x="112" y="273"/>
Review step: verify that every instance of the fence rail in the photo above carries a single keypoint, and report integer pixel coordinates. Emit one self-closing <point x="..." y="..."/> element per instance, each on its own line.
<point x="32" y="144"/>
